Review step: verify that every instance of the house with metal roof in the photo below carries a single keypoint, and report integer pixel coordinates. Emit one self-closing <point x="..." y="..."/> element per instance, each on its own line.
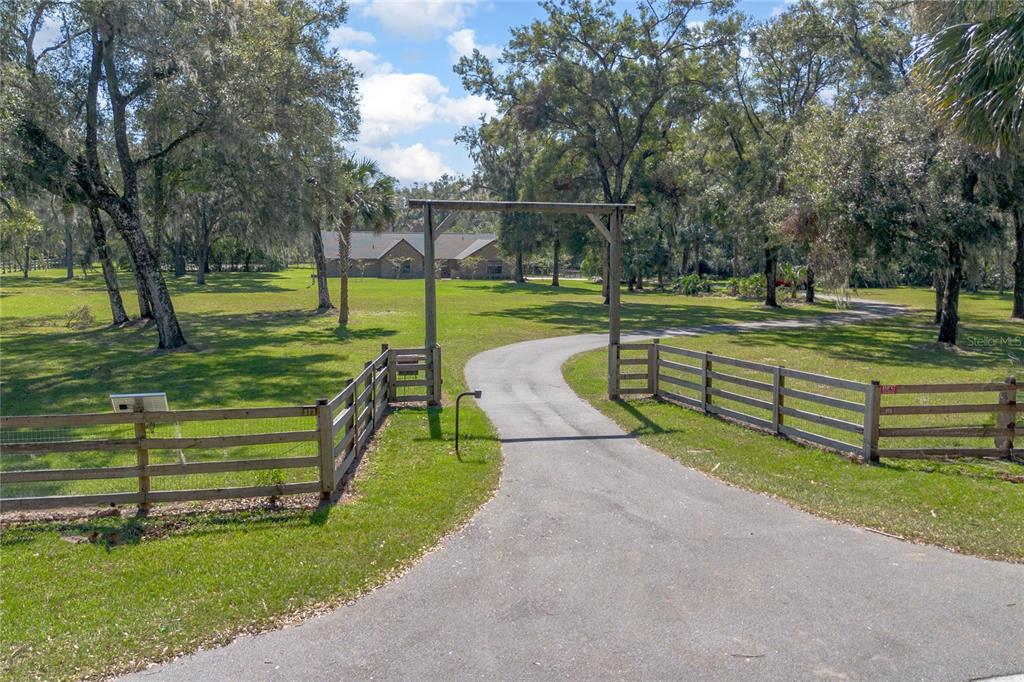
<point x="399" y="255"/>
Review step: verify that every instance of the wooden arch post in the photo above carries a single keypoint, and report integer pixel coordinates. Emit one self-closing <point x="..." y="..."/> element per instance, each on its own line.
<point x="612" y="233"/>
<point x="614" y="300"/>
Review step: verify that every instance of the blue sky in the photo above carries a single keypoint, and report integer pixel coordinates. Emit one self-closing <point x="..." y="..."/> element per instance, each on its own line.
<point x="412" y="103"/>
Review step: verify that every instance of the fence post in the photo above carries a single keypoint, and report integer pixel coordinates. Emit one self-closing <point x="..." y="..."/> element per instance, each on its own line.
<point x="142" y="460"/>
<point x="613" y="370"/>
<point x="370" y="403"/>
<point x="435" y="375"/>
<point x="392" y="374"/>
<point x="1007" y="418"/>
<point x="353" y="419"/>
<point x="777" y="383"/>
<point x="872" y="407"/>
<point x="387" y="370"/>
<point x="325" y="446"/>
<point x="652" y="367"/>
<point x="705" y="380"/>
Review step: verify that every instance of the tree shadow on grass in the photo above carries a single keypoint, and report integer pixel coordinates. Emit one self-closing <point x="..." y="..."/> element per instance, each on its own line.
<point x="93" y="283"/>
<point x="592" y="317"/>
<point x="896" y="342"/>
<point x="228" y="283"/>
<point x="567" y="287"/>
<point x="239" y="362"/>
<point x="113" y="531"/>
<point x="349" y="334"/>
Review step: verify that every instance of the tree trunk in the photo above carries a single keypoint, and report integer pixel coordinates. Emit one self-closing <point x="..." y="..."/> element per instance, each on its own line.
<point x="770" y="267"/>
<point x="152" y="286"/>
<point x="631" y="284"/>
<point x="950" y="318"/>
<point x="810" y="285"/>
<point x="159" y="207"/>
<point x="554" y="264"/>
<point x="179" y="253"/>
<point x="343" y="251"/>
<point x="28" y="260"/>
<point x="69" y="252"/>
<point x="124" y="210"/>
<point x="145" y="309"/>
<point x="323" y="294"/>
<point x="1001" y="268"/>
<point x="519" y="275"/>
<point x="203" y="262"/>
<point x="1018" y="263"/>
<point x="939" y="284"/>
<point x="99" y="235"/>
<point x="735" y="256"/>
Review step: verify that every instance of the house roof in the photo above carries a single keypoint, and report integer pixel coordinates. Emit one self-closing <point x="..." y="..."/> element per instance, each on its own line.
<point x="376" y="245"/>
<point x="364" y="246"/>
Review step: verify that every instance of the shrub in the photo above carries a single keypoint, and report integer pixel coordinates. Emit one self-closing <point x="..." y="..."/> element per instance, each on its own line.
<point x="692" y="285"/>
<point x="79" y="318"/>
<point x="746" y="287"/>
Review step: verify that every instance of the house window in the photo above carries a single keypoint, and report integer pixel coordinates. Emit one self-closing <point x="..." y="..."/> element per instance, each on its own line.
<point x="406" y="267"/>
<point x="494" y="269"/>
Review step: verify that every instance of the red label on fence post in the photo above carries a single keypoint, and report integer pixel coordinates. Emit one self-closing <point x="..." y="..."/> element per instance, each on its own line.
<point x="890" y="389"/>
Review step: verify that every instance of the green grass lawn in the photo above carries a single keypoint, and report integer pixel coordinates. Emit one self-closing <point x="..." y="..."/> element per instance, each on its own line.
<point x="176" y="583"/>
<point x="967" y="506"/>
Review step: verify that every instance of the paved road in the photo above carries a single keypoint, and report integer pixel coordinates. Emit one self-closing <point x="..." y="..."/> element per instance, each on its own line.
<point x="599" y="558"/>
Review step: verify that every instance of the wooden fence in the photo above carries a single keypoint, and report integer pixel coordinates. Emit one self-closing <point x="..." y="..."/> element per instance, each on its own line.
<point x="839" y="414"/>
<point x="937" y="415"/>
<point x="337" y="430"/>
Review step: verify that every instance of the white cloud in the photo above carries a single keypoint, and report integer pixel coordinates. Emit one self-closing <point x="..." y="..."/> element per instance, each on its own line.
<point x="418" y="19"/>
<point x="346" y="35"/>
<point x="778" y="10"/>
<point x="365" y="61"/>
<point x="465" y="110"/>
<point x="396" y="104"/>
<point x="415" y="163"/>
<point x="463" y="42"/>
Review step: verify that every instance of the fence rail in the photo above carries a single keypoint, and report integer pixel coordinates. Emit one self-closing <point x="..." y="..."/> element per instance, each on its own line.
<point x="840" y="414"/>
<point x="1004" y="412"/>
<point x="339" y="430"/>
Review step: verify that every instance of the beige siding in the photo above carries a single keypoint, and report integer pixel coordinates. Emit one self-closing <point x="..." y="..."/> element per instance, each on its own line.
<point x="402" y="262"/>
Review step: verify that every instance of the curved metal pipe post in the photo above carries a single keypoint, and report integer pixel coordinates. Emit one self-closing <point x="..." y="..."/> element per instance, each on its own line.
<point x="476" y="395"/>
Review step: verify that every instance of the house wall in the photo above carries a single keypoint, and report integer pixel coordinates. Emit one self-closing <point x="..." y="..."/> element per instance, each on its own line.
<point x="364" y="268"/>
<point x="391" y="264"/>
<point x="487" y="263"/>
<point x="356" y="268"/>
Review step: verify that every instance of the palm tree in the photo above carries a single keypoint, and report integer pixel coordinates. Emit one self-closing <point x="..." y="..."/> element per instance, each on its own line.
<point x="367" y="196"/>
<point x="971" y="61"/>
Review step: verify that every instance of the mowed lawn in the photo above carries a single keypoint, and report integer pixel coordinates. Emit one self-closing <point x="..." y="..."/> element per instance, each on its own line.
<point x="172" y="584"/>
<point x="968" y="506"/>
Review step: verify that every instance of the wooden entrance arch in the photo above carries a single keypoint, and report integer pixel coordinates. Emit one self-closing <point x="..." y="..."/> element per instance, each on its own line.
<point x="612" y="232"/>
